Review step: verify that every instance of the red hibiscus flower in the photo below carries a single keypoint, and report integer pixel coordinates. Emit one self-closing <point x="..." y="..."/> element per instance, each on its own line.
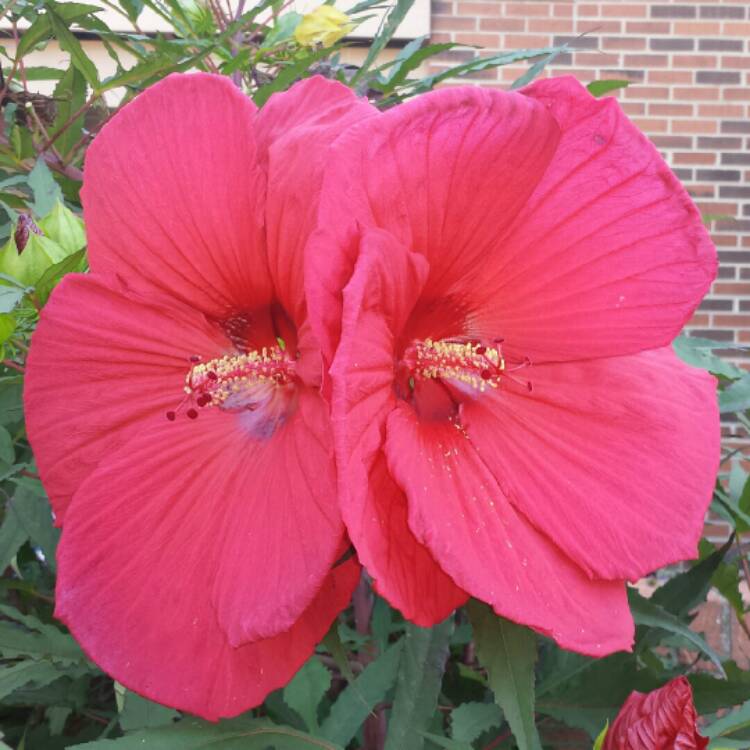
<point x="510" y="420"/>
<point x="173" y="398"/>
<point x="663" y="719"/>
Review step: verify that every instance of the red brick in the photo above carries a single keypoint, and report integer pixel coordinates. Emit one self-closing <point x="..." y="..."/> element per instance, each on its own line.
<point x="704" y="93"/>
<point x="651" y="124"/>
<point x="646" y="61"/>
<point x="694" y="157"/>
<point x="625" y="10"/>
<point x="670" y="76"/>
<point x="721" y="110"/>
<point x="480" y="40"/>
<point x="732" y="321"/>
<point x="518" y="41"/>
<point x="695" y="61"/>
<point x="502" y="24"/>
<point x="607" y="27"/>
<point x="694" y="126"/>
<point x="699" y="28"/>
<point x="735" y="62"/>
<point x="735" y="95"/>
<point x="648" y="27"/>
<point x="732" y="28"/>
<point x="527" y="9"/>
<point x="646" y="92"/>
<point x="623" y="43"/>
<point x="453" y="23"/>
<point x="479" y="9"/>
<point x="670" y="110"/>
<point x="549" y="25"/>
<point x="735" y="289"/>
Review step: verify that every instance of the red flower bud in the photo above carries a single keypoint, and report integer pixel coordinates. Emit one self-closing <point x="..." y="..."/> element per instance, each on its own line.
<point x="25" y="225"/>
<point x="663" y="719"/>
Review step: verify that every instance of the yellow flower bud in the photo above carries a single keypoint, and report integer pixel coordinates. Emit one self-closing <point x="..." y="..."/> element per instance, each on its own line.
<point x="323" y="26"/>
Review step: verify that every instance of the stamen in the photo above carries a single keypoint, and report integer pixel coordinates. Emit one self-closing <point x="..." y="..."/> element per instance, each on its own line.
<point x="240" y="381"/>
<point x="468" y="363"/>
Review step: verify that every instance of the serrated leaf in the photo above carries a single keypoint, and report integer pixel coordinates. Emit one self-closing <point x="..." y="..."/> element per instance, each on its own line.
<point x="470" y="720"/>
<point x="28" y="672"/>
<point x="699" y="353"/>
<point x="729" y="724"/>
<point x="12" y="537"/>
<point x="46" y="190"/>
<point x="711" y="694"/>
<point x="72" y="46"/>
<point x="304" y="693"/>
<point x="600" y="88"/>
<point x="420" y="676"/>
<point x="357" y="701"/>
<point x="735" y="397"/>
<point x="646" y="612"/>
<point x="508" y="652"/>
<point x="35" y="517"/>
<point x="70" y="95"/>
<point x="239" y="734"/>
<point x="444" y="742"/>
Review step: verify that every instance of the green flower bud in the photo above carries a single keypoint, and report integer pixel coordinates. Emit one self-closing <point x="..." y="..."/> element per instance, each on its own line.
<point x="29" y="264"/>
<point x="62" y="226"/>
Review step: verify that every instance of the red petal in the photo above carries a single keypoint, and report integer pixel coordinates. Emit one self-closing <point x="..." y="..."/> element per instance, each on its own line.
<point x="376" y="303"/>
<point x="173" y="195"/>
<point x="283" y="530"/>
<point x="140" y="554"/>
<point x="664" y="719"/>
<point x="614" y="459"/>
<point x="454" y="167"/>
<point x="103" y="366"/>
<point x="458" y="510"/>
<point x="297" y="127"/>
<point x="609" y="256"/>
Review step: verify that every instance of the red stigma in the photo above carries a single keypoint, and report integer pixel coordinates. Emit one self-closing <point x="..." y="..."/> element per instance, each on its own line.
<point x="171" y="416"/>
<point x="192" y="414"/>
<point x="485" y="374"/>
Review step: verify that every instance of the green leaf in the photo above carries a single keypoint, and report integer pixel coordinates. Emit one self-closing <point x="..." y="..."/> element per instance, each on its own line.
<point x="7" y="452"/>
<point x="332" y="641"/>
<point x="37" y="640"/>
<point x="684" y="592"/>
<point x="599" y="742"/>
<point x="70" y="95"/>
<point x="386" y="31"/>
<point x="12" y="537"/>
<point x="46" y="190"/>
<point x="7" y="327"/>
<point x="283" y="30"/>
<point x="470" y="720"/>
<point x="137" y="712"/>
<point x="56" y="271"/>
<point x="536" y="69"/>
<point x="600" y="88"/>
<point x="711" y="694"/>
<point x="28" y="672"/>
<point x="288" y="76"/>
<point x="698" y="352"/>
<point x="35" y="517"/>
<point x="735" y="397"/>
<point x="508" y="652"/>
<point x="420" y="676"/>
<point x="409" y="59"/>
<point x="304" y="693"/>
<point x="239" y="734"/>
<point x="733" y="722"/>
<point x="446" y="743"/>
<point x="645" y="612"/>
<point x="10" y="296"/>
<point x="133" y="8"/>
<point x="72" y="46"/>
<point x="57" y="716"/>
<point x="357" y="701"/>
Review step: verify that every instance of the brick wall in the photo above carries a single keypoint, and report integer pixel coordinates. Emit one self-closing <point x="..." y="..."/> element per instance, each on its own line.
<point x="688" y="62"/>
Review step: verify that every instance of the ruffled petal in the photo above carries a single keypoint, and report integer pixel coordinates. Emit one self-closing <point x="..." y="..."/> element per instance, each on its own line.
<point x="140" y="554"/>
<point x="609" y="255"/>
<point x="173" y="195"/>
<point x="614" y="459"/>
<point x="103" y="366"/>
<point x="295" y="130"/>
<point x="454" y="167"/>
<point x="377" y="302"/>
<point x="284" y="528"/>
<point x="458" y="510"/>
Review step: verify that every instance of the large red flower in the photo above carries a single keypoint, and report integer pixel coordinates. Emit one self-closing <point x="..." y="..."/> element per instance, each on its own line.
<point x="510" y="420"/>
<point x="173" y="403"/>
<point x="663" y="719"/>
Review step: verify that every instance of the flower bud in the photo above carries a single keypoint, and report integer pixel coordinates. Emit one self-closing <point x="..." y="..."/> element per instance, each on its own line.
<point x="28" y="261"/>
<point x="323" y="26"/>
<point x="663" y="719"/>
<point x="62" y="226"/>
